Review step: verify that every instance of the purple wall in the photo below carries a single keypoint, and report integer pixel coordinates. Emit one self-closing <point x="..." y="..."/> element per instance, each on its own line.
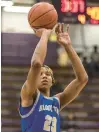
<point x="17" y="48"/>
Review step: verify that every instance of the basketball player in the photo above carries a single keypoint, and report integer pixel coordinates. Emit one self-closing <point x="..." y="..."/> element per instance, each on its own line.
<point x="39" y="112"/>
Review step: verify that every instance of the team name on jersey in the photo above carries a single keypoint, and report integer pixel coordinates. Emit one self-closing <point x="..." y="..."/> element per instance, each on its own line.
<point x="48" y="108"/>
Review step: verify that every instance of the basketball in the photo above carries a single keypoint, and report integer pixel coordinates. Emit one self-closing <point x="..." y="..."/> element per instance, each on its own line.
<point x="42" y="15"/>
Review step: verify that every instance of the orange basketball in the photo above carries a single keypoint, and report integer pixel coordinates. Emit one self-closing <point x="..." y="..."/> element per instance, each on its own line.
<point x="42" y="15"/>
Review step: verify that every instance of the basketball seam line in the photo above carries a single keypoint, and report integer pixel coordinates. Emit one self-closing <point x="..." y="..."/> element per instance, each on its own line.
<point x="41" y="16"/>
<point x="32" y="11"/>
<point x="46" y="24"/>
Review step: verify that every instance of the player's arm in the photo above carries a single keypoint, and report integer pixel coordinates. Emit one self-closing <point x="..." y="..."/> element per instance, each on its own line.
<point x="81" y="77"/>
<point x="29" y="89"/>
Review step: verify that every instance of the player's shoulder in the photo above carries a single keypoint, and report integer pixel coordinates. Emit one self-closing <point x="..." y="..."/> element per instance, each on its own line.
<point x="56" y="98"/>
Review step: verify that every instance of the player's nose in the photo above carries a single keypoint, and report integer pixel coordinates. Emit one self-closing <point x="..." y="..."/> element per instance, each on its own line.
<point x="44" y="76"/>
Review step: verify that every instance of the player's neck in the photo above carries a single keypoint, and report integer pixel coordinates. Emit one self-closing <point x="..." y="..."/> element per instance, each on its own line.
<point x="45" y="93"/>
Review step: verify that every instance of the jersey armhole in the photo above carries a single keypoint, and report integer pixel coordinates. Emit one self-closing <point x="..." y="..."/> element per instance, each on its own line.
<point x="57" y="100"/>
<point x="32" y="109"/>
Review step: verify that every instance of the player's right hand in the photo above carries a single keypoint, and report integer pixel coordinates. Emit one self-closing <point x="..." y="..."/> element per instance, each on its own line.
<point x="39" y="32"/>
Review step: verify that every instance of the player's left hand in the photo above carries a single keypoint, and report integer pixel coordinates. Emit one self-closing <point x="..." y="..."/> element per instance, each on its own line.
<point x="63" y="38"/>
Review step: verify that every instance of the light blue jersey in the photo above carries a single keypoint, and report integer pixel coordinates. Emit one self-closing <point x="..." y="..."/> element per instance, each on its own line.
<point x="43" y="116"/>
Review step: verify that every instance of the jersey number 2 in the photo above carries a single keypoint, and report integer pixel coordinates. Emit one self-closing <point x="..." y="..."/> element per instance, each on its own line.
<point x="50" y="123"/>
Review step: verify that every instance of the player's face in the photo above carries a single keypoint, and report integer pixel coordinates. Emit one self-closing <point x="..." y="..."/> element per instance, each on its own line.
<point x="45" y="79"/>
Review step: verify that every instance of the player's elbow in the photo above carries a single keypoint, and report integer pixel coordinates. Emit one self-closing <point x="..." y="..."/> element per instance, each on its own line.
<point x="36" y="64"/>
<point x="84" y="79"/>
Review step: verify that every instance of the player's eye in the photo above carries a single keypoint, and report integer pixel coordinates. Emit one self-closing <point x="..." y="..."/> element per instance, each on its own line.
<point x="41" y="73"/>
<point x="48" y="74"/>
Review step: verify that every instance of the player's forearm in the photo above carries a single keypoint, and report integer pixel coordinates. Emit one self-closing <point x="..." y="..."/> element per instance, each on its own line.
<point x="78" y="67"/>
<point x="40" y="50"/>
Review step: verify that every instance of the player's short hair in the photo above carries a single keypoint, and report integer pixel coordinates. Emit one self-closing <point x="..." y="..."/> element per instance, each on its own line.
<point x="50" y="70"/>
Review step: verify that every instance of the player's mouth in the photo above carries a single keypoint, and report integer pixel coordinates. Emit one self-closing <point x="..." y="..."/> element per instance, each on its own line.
<point x="44" y="81"/>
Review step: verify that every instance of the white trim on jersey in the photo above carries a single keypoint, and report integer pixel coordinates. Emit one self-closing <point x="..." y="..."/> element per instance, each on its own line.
<point x="58" y="100"/>
<point x="30" y="112"/>
<point x="49" y="98"/>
